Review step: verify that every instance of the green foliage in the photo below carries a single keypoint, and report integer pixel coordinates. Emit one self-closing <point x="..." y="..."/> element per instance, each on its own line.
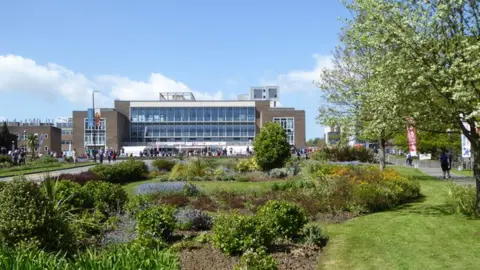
<point x="236" y="233"/>
<point x="5" y="137"/>
<point x="429" y="142"/>
<point x="284" y="219"/>
<point x="6" y="159"/>
<point x="27" y="215"/>
<point x="345" y="153"/>
<point x="462" y="199"/>
<point x="46" y="159"/>
<point x="70" y="193"/>
<point x="115" y="257"/>
<point x="163" y="165"/>
<point x="122" y="172"/>
<point x="156" y="222"/>
<point x="256" y="260"/>
<point x="313" y="235"/>
<point x="105" y="197"/>
<point x="271" y="146"/>
<point x="32" y="144"/>
<point x="138" y="203"/>
<point x="247" y="165"/>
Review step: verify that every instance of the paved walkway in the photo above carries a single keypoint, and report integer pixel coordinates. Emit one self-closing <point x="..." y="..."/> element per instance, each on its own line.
<point x="456" y="178"/>
<point x="40" y="176"/>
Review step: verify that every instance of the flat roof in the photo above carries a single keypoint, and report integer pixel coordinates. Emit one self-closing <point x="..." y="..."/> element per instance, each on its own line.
<point x="190" y="103"/>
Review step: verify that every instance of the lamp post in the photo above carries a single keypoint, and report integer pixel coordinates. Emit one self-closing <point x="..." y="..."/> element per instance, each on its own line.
<point x="24" y="139"/>
<point x="94" y="126"/>
<point x="450" y="155"/>
<point x="13" y="146"/>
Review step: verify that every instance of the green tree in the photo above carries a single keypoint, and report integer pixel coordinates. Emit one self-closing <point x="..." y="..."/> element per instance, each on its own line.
<point x="316" y="142"/>
<point x="426" y="62"/>
<point x="32" y="144"/>
<point x="430" y="143"/>
<point x="5" y="136"/>
<point x="271" y="147"/>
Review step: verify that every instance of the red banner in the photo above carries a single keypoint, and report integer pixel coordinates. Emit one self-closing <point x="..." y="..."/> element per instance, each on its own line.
<point x="412" y="139"/>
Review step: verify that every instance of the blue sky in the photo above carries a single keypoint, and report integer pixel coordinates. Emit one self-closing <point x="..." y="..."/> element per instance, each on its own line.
<point x="53" y="53"/>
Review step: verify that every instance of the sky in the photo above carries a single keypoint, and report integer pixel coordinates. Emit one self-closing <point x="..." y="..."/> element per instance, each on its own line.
<point x="54" y="53"/>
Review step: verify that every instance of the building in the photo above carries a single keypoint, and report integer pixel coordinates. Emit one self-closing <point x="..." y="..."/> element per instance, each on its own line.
<point x="65" y="124"/>
<point x="179" y="121"/>
<point x="49" y="136"/>
<point x="332" y="135"/>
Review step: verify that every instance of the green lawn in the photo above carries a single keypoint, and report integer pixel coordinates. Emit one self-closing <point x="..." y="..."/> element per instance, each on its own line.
<point x="421" y="235"/>
<point x="61" y="166"/>
<point x="463" y="172"/>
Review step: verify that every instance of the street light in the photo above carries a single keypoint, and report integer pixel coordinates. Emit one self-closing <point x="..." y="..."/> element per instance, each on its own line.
<point x="94" y="126"/>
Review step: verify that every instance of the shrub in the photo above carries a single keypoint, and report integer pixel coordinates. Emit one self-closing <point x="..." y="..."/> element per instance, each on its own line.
<point x="374" y="197"/>
<point x="313" y="235"/>
<point x="168" y="187"/>
<point x="138" y="203"/>
<point x="80" y="178"/>
<point x="106" y="197"/>
<point x="279" y="173"/>
<point x="285" y="219"/>
<point x="71" y="194"/>
<point x="462" y="199"/>
<point x="26" y="215"/>
<point x="346" y="153"/>
<point x="271" y="146"/>
<point x="156" y="222"/>
<point x="194" y="219"/>
<point x="163" y="165"/>
<point x="197" y="167"/>
<point x="247" y="165"/>
<point x="256" y="260"/>
<point x="180" y="170"/>
<point x="122" y="172"/>
<point x="6" y="159"/>
<point x="236" y="233"/>
<point x="46" y="159"/>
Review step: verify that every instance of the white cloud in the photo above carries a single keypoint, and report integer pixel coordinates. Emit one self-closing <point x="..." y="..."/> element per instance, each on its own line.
<point x="52" y="80"/>
<point x="3" y="119"/>
<point x="301" y="80"/>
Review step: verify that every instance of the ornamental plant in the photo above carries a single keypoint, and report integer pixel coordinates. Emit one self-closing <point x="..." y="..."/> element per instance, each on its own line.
<point x="284" y="219"/>
<point x="272" y="149"/>
<point x="156" y="222"/>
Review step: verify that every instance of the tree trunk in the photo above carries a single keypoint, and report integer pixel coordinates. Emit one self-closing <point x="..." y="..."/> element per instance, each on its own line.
<point x="476" y="174"/>
<point x="382" y="154"/>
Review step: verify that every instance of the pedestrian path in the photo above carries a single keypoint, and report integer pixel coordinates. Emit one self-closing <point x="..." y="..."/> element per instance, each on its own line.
<point x="456" y="178"/>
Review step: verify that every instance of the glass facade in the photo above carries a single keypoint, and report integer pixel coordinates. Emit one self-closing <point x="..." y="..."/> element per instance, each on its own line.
<point x="288" y="123"/>
<point x="100" y="133"/>
<point x="187" y="124"/>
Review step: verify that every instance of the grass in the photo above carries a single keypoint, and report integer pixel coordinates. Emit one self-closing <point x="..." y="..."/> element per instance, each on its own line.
<point x="420" y="235"/>
<point x="62" y="166"/>
<point x="463" y="172"/>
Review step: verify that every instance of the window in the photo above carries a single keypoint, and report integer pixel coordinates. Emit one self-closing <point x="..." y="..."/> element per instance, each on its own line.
<point x="46" y="148"/>
<point x="45" y="136"/>
<point x="288" y="124"/>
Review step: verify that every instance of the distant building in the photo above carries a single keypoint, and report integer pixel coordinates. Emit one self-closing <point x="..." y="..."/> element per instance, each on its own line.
<point x="178" y="120"/>
<point x="49" y="136"/>
<point x="66" y="126"/>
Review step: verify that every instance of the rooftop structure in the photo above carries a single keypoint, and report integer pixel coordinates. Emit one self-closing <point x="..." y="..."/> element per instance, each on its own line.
<point x="176" y="96"/>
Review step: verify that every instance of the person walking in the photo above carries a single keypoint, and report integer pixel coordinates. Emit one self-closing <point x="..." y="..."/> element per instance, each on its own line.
<point x="100" y="155"/>
<point x="109" y="155"/>
<point x="445" y="163"/>
<point x="74" y="157"/>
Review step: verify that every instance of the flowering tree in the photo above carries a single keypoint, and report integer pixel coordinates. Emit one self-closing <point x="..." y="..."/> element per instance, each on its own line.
<point x="426" y="60"/>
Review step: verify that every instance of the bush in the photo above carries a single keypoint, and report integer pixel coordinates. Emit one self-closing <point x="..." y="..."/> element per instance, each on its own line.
<point x="106" y="197"/>
<point x="79" y="178"/>
<point x="236" y="233"/>
<point x="247" y="165"/>
<point x="285" y="219"/>
<point x="26" y="215"/>
<point x="168" y="187"/>
<point x="313" y="235"/>
<point x="345" y="153"/>
<point x="279" y="173"/>
<point x="122" y="172"/>
<point x="271" y="146"/>
<point x="256" y="260"/>
<point x="195" y="220"/>
<point x="71" y="194"/>
<point x="156" y="222"/>
<point x="462" y="199"/>
<point x="179" y="171"/>
<point x="6" y="159"/>
<point x="46" y="159"/>
<point x="138" y="203"/>
<point x="163" y="165"/>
